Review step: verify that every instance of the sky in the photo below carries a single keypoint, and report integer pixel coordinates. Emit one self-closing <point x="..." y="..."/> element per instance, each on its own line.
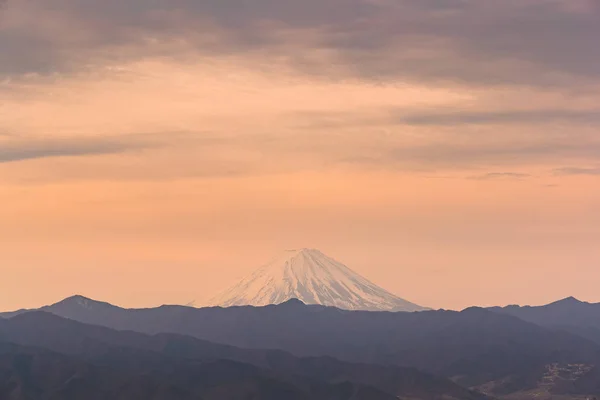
<point x="156" y="151"/>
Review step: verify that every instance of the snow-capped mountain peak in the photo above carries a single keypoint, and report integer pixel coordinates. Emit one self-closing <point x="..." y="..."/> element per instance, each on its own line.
<point x="313" y="278"/>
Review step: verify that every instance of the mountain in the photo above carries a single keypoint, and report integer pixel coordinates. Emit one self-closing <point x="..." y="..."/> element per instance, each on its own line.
<point x="312" y="277"/>
<point x="477" y="348"/>
<point x="174" y="359"/>
<point x="570" y="314"/>
<point x="37" y="374"/>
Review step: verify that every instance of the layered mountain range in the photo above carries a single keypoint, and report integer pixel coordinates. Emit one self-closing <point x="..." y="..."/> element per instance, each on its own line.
<point x="93" y="359"/>
<point x="303" y="326"/>
<point x="309" y="350"/>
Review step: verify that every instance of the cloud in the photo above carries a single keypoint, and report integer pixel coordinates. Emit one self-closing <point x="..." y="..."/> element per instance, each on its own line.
<point x="504" y="117"/>
<point x="451" y="152"/>
<point x="169" y="156"/>
<point x="31" y="149"/>
<point x="457" y="117"/>
<point x="286" y="86"/>
<point x="577" y="171"/>
<point x="500" y="175"/>
<point x="477" y="154"/>
<point x="526" y="42"/>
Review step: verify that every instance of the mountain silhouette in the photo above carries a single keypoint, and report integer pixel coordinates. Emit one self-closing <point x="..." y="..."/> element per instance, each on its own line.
<point x="476" y="347"/>
<point x="569" y="314"/>
<point x="188" y="365"/>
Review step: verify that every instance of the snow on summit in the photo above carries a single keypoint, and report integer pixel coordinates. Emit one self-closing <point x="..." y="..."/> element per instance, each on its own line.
<point x="312" y="277"/>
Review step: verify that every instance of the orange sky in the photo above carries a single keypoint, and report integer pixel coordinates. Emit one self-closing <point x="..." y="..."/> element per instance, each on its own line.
<point x="152" y="156"/>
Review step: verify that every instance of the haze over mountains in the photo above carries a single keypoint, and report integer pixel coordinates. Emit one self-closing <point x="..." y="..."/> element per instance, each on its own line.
<point x="570" y="314"/>
<point x="479" y="349"/>
<point x="191" y="366"/>
<point x="314" y="278"/>
<point x="352" y="341"/>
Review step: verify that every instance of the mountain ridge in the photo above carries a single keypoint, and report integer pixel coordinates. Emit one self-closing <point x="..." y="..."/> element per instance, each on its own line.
<point x="136" y="354"/>
<point x="569" y="314"/>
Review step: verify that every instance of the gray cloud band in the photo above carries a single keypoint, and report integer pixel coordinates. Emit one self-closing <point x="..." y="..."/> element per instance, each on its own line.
<point x="31" y="149"/>
<point x="533" y="42"/>
<point x="577" y="171"/>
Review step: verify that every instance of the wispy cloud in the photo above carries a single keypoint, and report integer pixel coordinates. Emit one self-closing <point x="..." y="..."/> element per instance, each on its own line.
<point x="500" y="175"/>
<point x="482" y="153"/>
<point x="31" y="149"/>
<point x="503" y="117"/>
<point x="578" y="171"/>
